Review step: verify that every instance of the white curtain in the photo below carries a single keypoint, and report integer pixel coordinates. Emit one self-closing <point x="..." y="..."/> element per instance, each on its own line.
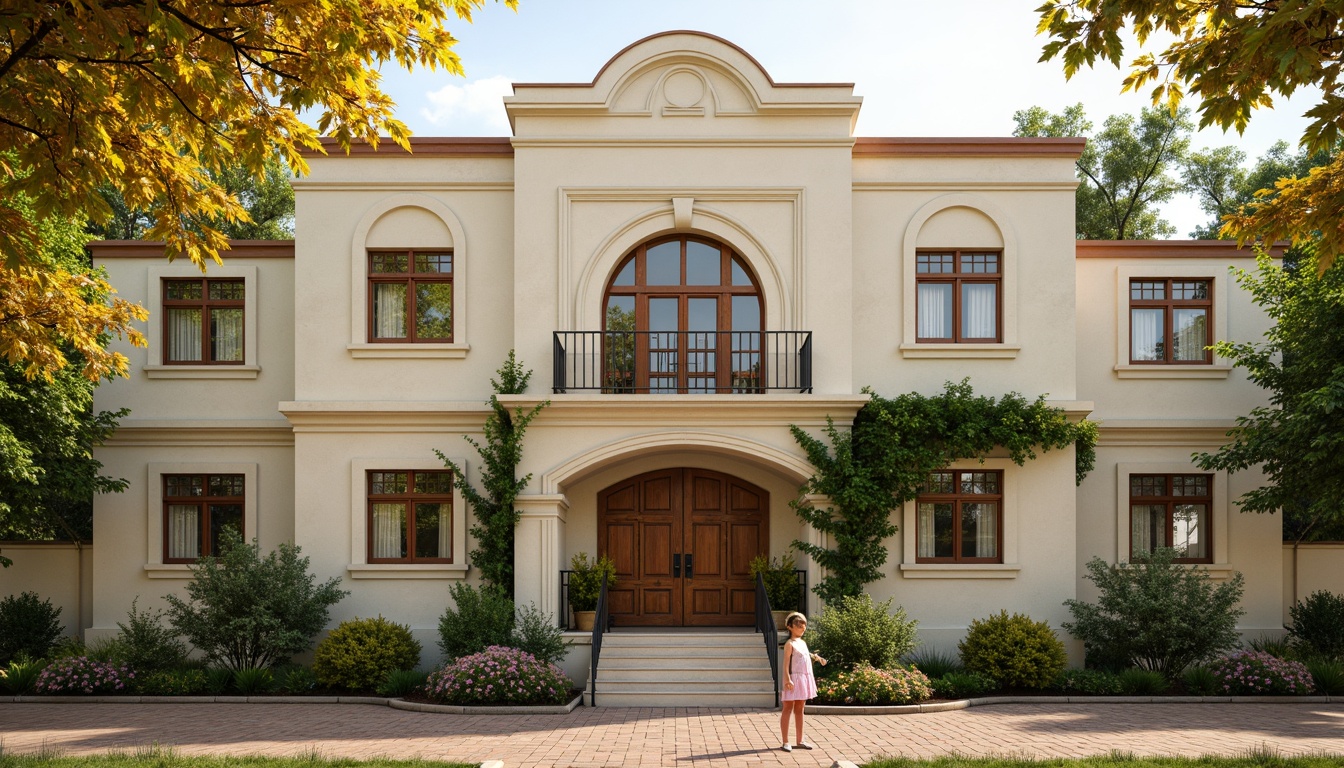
<point x="184" y="335"/>
<point x="1145" y="329"/>
<point x="389" y="520"/>
<point x="389" y="307"/>
<point x="227" y="339"/>
<point x="986" y="517"/>
<point x="1145" y="526"/>
<point x="183" y="531"/>
<point x="1190" y="332"/>
<point x="1188" y="526"/>
<point x="445" y="531"/>
<point x="935" y="311"/>
<point x="979" y="311"/>
<point x="924" y="531"/>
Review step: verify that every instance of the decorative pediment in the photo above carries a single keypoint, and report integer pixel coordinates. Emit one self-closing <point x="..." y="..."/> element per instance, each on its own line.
<point x="677" y="81"/>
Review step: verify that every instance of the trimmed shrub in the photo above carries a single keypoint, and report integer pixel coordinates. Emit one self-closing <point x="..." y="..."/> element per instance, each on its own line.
<point x="21" y="676"/>
<point x="1156" y="614"/>
<point x="934" y="663"/>
<point x="1142" y="682"/>
<point x="1014" y="650"/>
<point x="80" y="675"/>
<point x="536" y="633"/>
<point x="246" y="611"/>
<point x="359" y="653"/>
<point x="1200" y="681"/>
<point x="1251" y="673"/>
<point x="963" y="685"/>
<point x="402" y="682"/>
<point x="478" y="619"/>
<point x="295" y="679"/>
<point x="869" y="685"/>
<point x="855" y="630"/>
<point x="172" y="682"/>
<point x="1089" y="682"/>
<point x="146" y="644"/>
<point x="498" y="676"/>
<point x="1328" y="676"/>
<point x="29" y="626"/>
<point x="1318" y="624"/>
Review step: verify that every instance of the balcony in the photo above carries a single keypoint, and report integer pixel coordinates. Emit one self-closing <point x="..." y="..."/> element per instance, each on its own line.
<point x="682" y="362"/>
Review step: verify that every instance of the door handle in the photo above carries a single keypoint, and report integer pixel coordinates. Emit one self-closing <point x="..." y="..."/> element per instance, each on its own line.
<point x="676" y="566"/>
<point x="689" y="573"/>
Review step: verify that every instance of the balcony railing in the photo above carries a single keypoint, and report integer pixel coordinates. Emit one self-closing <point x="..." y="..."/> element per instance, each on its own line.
<point x="682" y="362"/>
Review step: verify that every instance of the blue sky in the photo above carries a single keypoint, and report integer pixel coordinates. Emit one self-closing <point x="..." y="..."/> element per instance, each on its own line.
<point x="941" y="68"/>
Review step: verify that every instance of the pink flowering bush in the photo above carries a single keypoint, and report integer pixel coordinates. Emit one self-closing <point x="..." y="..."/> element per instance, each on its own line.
<point x="1251" y="673"/>
<point x="498" y="676"/>
<point x="75" y="675"/>
<point x="867" y="684"/>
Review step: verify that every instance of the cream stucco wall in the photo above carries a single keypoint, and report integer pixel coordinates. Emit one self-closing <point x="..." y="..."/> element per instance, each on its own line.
<point x="57" y="571"/>
<point x="1319" y="567"/>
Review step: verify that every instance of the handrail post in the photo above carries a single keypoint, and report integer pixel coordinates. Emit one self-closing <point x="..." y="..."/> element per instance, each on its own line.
<point x="765" y="624"/>
<point x="599" y="627"/>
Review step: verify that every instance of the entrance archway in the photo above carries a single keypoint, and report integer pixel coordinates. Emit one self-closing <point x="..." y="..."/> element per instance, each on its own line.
<point x="682" y="541"/>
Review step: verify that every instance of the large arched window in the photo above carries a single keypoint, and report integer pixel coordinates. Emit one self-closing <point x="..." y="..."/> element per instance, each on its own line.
<point x="683" y="314"/>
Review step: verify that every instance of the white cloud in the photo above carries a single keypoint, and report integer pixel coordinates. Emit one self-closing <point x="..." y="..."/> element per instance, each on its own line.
<point x="472" y="109"/>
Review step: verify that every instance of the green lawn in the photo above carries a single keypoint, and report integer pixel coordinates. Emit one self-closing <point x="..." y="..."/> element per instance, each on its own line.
<point x="1258" y="759"/>
<point x="153" y="757"/>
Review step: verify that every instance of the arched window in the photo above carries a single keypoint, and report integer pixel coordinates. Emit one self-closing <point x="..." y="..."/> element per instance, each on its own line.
<point x="683" y="314"/>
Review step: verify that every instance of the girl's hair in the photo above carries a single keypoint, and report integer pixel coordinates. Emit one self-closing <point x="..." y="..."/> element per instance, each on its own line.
<point x="792" y="618"/>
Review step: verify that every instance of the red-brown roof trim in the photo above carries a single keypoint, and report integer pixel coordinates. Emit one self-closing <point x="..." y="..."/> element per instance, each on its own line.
<point x="422" y="146"/>
<point x="153" y="249"/>
<point x="656" y="35"/>
<point x="967" y="146"/>
<point x="1169" y="249"/>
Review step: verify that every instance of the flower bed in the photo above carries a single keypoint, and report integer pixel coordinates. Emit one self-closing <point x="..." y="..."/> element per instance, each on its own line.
<point x="80" y="675"/>
<point x="1253" y="673"/>
<point x="498" y="676"/>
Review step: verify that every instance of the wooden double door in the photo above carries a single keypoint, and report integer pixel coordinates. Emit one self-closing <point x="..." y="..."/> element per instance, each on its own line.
<point x="682" y="541"/>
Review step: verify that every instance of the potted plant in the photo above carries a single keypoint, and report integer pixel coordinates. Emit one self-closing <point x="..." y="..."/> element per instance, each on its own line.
<point x="781" y="585"/>
<point x="585" y="584"/>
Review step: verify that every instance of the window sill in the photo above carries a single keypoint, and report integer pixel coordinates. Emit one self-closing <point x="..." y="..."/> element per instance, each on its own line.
<point x="960" y="351"/>
<point x="409" y="351"/>
<point x="407" y="571"/>
<point x="959" y="571"/>
<point x="1172" y="371"/>
<point x="168" y="570"/>
<point x="202" y="371"/>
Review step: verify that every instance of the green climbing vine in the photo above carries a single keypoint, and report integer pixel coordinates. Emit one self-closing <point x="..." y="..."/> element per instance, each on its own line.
<point x="884" y="459"/>
<point x="492" y="505"/>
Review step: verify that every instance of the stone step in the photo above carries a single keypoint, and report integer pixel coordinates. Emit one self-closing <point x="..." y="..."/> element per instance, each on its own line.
<point x="698" y="699"/>
<point x="656" y="652"/>
<point x="724" y="674"/>
<point x="680" y="639"/>
<point x="756" y="661"/>
<point x="685" y="686"/>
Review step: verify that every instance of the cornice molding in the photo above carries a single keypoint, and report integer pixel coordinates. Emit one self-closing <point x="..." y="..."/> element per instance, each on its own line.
<point x="380" y="416"/>
<point x="1193" y="433"/>
<point x="959" y="146"/>
<point x="243" y="432"/>
<point x="686" y="410"/>
<point x="155" y="249"/>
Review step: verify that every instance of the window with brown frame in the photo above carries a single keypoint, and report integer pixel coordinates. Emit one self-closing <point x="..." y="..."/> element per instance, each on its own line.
<point x="203" y="321"/>
<point x="410" y="516"/>
<point x="958" y="296"/>
<point x="411" y="296"/>
<point x="683" y="314"/>
<point x="1169" y="321"/>
<point x="959" y="517"/>
<point x="196" y="511"/>
<point x="1171" y="511"/>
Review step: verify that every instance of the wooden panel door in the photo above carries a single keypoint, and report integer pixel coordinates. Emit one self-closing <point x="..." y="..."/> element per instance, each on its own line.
<point x="682" y="540"/>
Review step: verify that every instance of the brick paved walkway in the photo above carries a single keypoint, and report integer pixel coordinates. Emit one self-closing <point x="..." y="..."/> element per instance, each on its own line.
<point x="689" y="738"/>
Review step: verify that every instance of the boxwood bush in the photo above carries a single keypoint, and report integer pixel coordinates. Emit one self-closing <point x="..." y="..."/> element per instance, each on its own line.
<point x="1318" y="624"/>
<point x="29" y="626"/>
<point x="359" y="653"/>
<point x="1014" y="650"/>
<point x="855" y="630"/>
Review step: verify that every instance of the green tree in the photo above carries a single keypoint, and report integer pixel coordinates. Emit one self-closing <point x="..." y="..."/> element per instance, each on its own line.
<point x="1124" y="171"/>
<point x="48" y="428"/>
<point x="1298" y="438"/>
<point x="1225" y="188"/>
<point x="157" y="101"/>
<point x="1234" y="58"/>
<point x="496" y="517"/>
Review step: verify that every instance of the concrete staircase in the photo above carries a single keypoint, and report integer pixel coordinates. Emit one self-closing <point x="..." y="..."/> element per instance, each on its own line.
<point x="682" y="669"/>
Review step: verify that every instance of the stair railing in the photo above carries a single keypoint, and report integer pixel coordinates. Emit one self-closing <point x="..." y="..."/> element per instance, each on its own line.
<point x="765" y="624"/>
<point x="599" y="628"/>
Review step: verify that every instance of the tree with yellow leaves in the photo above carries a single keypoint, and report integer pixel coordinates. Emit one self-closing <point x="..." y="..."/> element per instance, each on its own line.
<point x="156" y="100"/>
<point x="1234" y="58"/>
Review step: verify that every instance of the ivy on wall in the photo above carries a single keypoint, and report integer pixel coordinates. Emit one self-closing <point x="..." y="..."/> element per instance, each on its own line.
<point x="887" y="455"/>
<point x="496" y="518"/>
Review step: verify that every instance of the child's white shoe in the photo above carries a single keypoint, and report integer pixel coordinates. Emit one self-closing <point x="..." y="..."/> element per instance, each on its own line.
<point x="785" y="746"/>
<point x="805" y="745"/>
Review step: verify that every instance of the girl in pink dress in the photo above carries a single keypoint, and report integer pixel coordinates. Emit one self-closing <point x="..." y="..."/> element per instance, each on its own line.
<point x="799" y="684"/>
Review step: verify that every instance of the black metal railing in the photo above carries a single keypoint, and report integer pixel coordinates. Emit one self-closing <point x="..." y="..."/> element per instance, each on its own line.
<point x="564" y="600"/>
<point x="765" y="624"/>
<point x="682" y="362"/>
<point x="801" y="576"/>
<point x="599" y="629"/>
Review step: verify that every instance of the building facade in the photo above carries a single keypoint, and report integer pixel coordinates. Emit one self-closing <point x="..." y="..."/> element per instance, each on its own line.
<point x="692" y="258"/>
